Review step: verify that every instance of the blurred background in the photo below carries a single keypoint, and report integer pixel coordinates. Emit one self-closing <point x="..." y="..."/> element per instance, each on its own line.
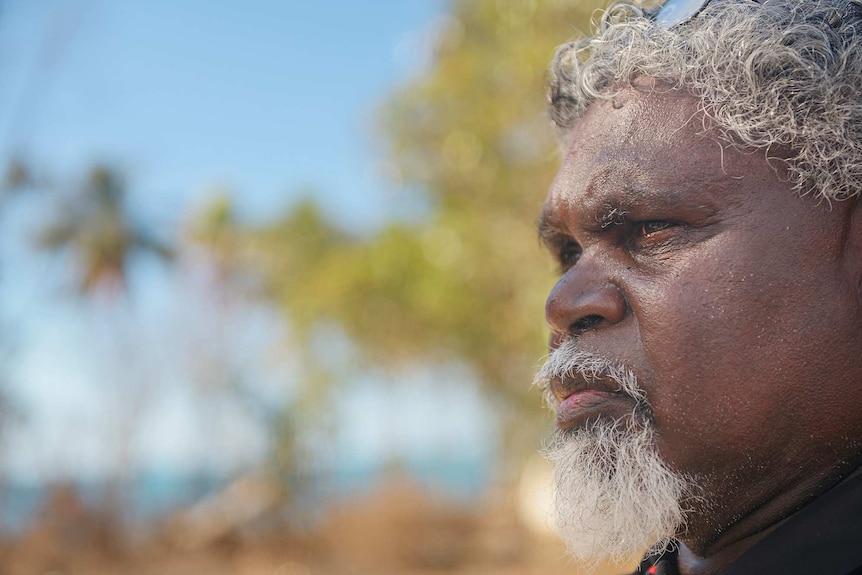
<point x="271" y="296"/>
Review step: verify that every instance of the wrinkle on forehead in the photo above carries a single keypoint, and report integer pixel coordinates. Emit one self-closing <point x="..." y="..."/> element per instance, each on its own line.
<point x="661" y="113"/>
<point x="620" y="149"/>
<point x="613" y="143"/>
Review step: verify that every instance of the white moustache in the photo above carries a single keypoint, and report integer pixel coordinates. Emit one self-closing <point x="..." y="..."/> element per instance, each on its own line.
<point x="568" y="361"/>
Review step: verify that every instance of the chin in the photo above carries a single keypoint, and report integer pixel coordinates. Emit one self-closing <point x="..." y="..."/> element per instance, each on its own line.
<point x="614" y="496"/>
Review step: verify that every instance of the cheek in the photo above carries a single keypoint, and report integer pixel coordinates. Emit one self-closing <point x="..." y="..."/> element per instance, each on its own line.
<point x="729" y="351"/>
<point x="697" y="338"/>
<point x="717" y="346"/>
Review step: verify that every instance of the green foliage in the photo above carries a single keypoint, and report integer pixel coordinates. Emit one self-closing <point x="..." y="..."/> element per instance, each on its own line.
<point x="468" y="284"/>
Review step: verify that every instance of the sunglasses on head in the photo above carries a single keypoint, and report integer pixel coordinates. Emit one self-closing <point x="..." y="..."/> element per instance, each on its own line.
<point x="675" y="12"/>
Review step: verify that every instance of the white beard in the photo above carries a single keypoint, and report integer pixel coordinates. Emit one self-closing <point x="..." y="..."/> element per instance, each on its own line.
<point x="615" y="498"/>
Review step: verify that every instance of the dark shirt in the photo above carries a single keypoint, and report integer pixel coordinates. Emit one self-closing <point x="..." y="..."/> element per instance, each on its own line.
<point x="822" y="538"/>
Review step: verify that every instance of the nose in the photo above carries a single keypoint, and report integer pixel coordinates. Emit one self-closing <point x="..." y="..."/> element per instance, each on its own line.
<point x="583" y="299"/>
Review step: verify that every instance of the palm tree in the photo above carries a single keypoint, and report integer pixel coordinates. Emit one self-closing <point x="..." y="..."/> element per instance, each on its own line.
<point x="97" y="229"/>
<point x="94" y="226"/>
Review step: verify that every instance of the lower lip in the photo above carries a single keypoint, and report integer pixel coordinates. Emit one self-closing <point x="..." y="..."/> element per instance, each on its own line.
<point x="583" y="406"/>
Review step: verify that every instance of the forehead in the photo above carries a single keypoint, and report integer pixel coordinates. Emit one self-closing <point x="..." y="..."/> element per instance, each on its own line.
<point x="650" y="140"/>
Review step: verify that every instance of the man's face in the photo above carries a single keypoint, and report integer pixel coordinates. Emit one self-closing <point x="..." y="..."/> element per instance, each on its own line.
<point x="732" y="300"/>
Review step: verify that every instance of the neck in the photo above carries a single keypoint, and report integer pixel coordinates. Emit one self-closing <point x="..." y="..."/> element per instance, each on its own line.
<point x="700" y="555"/>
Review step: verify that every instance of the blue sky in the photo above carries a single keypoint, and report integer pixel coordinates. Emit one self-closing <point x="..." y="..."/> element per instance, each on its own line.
<point x="266" y="98"/>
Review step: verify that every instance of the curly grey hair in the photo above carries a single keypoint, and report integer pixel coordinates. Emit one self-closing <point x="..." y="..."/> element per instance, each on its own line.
<point x="784" y="76"/>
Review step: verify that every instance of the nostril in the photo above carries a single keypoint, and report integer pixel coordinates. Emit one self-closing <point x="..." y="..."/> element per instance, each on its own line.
<point x="580" y="301"/>
<point x="586" y="322"/>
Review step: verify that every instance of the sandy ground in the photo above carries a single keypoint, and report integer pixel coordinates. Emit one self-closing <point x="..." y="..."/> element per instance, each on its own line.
<point x="257" y="560"/>
<point x="397" y="529"/>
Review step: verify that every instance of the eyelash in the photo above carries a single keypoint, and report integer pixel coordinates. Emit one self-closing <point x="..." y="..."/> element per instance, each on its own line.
<point x="569" y="255"/>
<point x="662" y="225"/>
<point x="570" y="252"/>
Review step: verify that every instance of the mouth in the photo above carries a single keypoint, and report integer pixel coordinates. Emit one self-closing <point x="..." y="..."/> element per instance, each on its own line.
<point x="580" y="400"/>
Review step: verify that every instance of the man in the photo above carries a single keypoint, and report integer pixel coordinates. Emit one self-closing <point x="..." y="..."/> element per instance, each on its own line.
<point x="706" y="328"/>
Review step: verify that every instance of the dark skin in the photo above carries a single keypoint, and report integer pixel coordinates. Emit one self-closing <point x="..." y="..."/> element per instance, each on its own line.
<point x="735" y="301"/>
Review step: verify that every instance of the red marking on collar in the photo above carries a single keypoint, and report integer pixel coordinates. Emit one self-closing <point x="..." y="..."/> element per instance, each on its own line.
<point x="652" y="570"/>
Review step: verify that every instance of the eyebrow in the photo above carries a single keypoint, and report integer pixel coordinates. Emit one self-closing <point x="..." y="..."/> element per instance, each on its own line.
<point x="552" y="231"/>
<point x="611" y="215"/>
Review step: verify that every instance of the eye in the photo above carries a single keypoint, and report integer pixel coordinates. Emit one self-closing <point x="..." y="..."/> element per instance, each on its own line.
<point x="569" y="255"/>
<point x="652" y="227"/>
